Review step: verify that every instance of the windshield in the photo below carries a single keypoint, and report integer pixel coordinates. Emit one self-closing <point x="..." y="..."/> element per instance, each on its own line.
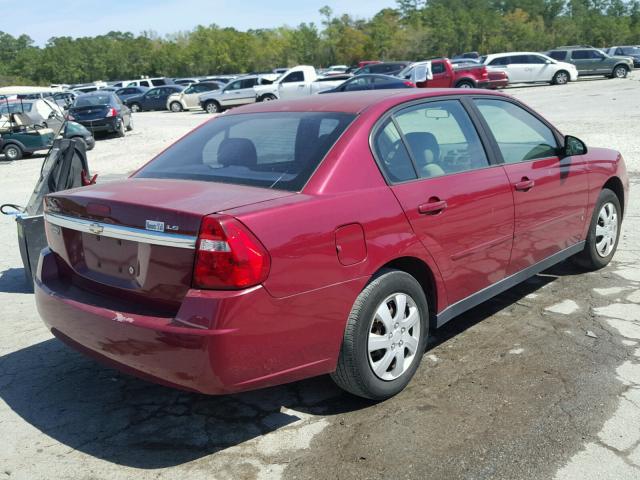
<point x="278" y="150"/>
<point x="91" y="100"/>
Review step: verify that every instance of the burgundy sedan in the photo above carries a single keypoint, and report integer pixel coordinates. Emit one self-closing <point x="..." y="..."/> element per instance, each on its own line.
<point x="328" y="234"/>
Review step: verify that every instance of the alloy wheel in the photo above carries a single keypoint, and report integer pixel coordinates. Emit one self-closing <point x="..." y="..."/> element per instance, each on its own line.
<point x="394" y="336"/>
<point x="561" y="78"/>
<point x="606" y="229"/>
<point x="620" y="72"/>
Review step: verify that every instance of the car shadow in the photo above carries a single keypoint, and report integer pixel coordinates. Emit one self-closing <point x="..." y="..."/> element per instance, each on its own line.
<point x="13" y="280"/>
<point x="130" y="422"/>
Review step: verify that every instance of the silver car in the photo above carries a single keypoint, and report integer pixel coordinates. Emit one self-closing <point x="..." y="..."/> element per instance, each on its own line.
<point x="190" y="97"/>
<point x="235" y="93"/>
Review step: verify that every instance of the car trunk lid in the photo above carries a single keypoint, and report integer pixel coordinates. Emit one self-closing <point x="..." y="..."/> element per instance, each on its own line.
<point x="136" y="238"/>
<point x="90" y="112"/>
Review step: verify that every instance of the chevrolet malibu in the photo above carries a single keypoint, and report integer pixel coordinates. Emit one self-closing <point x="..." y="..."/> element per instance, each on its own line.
<point x="328" y="234"/>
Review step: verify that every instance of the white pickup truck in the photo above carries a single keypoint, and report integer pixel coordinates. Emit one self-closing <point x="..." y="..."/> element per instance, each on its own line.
<point x="297" y="82"/>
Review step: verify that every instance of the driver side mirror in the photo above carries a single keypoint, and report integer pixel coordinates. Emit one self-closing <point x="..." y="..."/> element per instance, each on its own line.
<point x="573" y="146"/>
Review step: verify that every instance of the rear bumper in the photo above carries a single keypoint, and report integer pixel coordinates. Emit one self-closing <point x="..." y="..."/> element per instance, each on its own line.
<point x="218" y="342"/>
<point x="483" y="84"/>
<point x="502" y="83"/>
<point x="101" y="125"/>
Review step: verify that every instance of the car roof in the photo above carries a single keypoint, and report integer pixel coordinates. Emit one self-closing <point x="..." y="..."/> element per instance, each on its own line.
<point x="354" y="102"/>
<point x="508" y="54"/>
<point x="97" y="92"/>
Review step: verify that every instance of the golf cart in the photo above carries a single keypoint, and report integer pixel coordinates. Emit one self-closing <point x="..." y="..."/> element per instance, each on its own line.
<point x="19" y="136"/>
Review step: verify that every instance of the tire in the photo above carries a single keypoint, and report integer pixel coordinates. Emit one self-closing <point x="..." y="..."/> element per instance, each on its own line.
<point x="268" y="98"/>
<point x="212" y="107"/>
<point x="355" y="371"/>
<point x="561" y="77"/>
<point x="135" y="107"/>
<point x="12" y="152"/>
<point x="620" y="71"/>
<point x="465" y="84"/>
<point x="130" y="126"/>
<point x="176" y="107"/>
<point x="121" y="129"/>
<point x="604" y="232"/>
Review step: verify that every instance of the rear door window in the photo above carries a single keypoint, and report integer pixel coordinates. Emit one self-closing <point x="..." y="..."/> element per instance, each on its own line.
<point x="558" y="55"/>
<point x="441" y="138"/>
<point x="278" y="150"/>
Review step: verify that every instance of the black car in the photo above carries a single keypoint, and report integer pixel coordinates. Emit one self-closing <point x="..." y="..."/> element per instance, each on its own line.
<point x="386" y="68"/>
<point x="154" y="99"/>
<point x="126" y="93"/>
<point x="371" y="82"/>
<point x="102" y="112"/>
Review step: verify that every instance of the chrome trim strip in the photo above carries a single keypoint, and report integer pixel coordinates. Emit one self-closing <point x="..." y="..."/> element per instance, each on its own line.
<point x="120" y="232"/>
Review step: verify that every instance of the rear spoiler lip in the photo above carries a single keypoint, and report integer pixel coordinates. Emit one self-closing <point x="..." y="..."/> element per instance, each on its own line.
<point x="121" y="232"/>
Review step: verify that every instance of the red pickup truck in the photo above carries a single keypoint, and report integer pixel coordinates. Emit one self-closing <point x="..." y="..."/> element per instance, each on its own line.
<point x="446" y="75"/>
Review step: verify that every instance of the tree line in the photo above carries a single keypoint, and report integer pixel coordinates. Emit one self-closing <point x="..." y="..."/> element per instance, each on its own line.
<point x="414" y="29"/>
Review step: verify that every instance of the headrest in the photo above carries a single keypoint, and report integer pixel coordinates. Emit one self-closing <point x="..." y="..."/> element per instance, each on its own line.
<point x="237" y="151"/>
<point x="425" y="146"/>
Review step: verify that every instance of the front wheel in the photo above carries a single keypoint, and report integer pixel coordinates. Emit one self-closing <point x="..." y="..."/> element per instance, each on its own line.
<point x="12" y="152"/>
<point x="385" y="337"/>
<point x="560" y="78"/>
<point x="620" y="72"/>
<point x="268" y="98"/>
<point x="604" y="232"/>
<point x="135" y="107"/>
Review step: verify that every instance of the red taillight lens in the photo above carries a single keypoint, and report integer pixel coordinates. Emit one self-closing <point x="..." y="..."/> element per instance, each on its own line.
<point x="228" y="255"/>
<point x="112" y="112"/>
<point x="409" y="84"/>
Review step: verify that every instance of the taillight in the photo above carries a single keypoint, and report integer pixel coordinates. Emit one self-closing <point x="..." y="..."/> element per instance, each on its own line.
<point x="409" y="84"/>
<point x="228" y="255"/>
<point x="112" y="112"/>
<point x="70" y="117"/>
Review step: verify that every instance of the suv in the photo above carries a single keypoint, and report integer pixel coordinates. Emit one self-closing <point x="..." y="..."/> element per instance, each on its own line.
<point x="629" y="51"/>
<point x="592" y="61"/>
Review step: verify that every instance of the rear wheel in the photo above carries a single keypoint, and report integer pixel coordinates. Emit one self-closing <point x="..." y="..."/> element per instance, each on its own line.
<point x="560" y="78"/>
<point x="175" y="107"/>
<point x="268" y="98"/>
<point x="120" y="129"/>
<point x="385" y="337"/>
<point x="212" y="107"/>
<point x="465" y="84"/>
<point x="620" y="72"/>
<point x="12" y="152"/>
<point x="604" y="232"/>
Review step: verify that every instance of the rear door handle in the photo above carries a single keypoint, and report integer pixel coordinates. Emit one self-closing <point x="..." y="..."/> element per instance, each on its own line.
<point x="432" y="207"/>
<point x="524" y="185"/>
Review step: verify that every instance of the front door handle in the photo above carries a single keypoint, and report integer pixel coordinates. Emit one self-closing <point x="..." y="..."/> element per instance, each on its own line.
<point x="524" y="185"/>
<point x="433" y="207"/>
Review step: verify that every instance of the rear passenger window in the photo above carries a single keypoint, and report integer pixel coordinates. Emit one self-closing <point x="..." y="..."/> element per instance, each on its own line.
<point x="392" y="154"/>
<point x="441" y="138"/>
<point x="558" y="55"/>
<point x="520" y="136"/>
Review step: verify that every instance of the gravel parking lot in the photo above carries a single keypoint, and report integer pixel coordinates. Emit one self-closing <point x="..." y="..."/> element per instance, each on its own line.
<point x="541" y="382"/>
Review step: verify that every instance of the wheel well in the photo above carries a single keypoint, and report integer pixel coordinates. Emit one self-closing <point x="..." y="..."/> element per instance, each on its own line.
<point x="423" y="274"/>
<point x="615" y="185"/>
<point x="14" y="143"/>
<point x="626" y="67"/>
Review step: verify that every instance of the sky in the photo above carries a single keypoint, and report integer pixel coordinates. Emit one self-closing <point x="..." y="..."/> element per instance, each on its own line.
<point x="42" y="20"/>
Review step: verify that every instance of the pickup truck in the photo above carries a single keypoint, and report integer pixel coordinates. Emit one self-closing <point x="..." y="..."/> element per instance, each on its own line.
<point x="297" y="82"/>
<point x="444" y="75"/>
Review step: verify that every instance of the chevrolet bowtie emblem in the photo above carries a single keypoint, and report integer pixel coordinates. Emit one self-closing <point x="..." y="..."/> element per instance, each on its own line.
<point x="96" y="228"/>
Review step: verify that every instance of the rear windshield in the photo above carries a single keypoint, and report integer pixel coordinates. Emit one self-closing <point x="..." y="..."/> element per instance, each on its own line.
<point x="89" y="100"/>
<point x="278" y="150"/>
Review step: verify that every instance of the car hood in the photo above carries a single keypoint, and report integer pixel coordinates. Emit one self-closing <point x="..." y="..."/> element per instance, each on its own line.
<point x="566" y="65"/>
<point x="624" y="58"/>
